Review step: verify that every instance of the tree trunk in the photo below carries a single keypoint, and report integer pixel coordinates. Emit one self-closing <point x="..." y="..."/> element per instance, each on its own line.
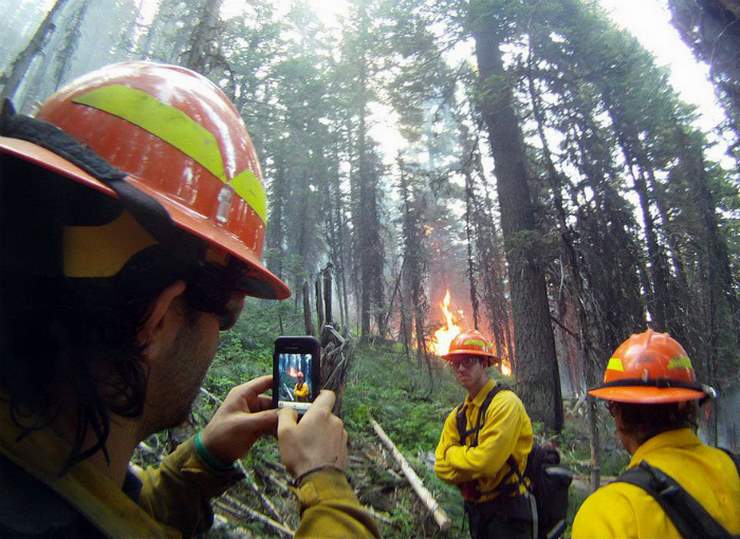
<point x="201" y="55"/>
<point x="319" y="303"/>
<point x="70" y="45"/>
<point x="13" y="78"/>
<point x="469" y="238"/>
<point x="307" y="318"/>
<point x="328" y="295"/>
<point x="536" y="368"/>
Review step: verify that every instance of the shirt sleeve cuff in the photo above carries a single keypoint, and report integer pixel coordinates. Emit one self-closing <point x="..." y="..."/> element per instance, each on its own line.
<point x="324" y="485"/>
<point x="209" y="481"/>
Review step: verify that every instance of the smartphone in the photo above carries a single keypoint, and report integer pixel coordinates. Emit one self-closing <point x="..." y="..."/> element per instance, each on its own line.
<point x="296" y="372"/>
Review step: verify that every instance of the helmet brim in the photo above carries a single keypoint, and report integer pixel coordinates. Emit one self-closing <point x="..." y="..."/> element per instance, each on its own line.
<point x="646" y="394"/>
<point x="271" y="287"/>
<point x="451" y="355"/>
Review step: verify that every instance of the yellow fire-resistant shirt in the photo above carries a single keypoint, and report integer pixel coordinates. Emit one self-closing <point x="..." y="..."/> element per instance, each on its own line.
<point x="620" y="510"/>
<point x="506" y="431"/>
<point x="301" y="393"/>
<point x="173" y="501"/>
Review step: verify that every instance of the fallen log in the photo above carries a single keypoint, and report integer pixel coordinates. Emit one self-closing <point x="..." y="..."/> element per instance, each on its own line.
<point x="443" y="521"/>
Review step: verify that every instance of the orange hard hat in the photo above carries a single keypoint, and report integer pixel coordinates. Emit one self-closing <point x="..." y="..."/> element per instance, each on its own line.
<point x="650" y="368"/>
<point x="470" y="343"/>
<point x="180" y="147"/>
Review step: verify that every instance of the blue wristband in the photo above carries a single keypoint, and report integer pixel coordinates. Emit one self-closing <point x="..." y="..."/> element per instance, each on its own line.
<point x="209" y="459"/>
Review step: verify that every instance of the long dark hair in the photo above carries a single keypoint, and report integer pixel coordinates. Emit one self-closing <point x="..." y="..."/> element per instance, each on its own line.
<point x="57" y="332"/>
<point x="643" y="421"/>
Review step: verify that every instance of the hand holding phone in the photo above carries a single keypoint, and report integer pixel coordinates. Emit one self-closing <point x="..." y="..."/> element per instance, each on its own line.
<point x="244" y="416"/>
<point x="318" y="440"/>
<point x="296" y="372"/>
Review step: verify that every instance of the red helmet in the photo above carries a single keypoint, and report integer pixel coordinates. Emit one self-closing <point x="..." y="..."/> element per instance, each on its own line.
<point x="180" y="142"/>
<point x="470" y="343"/>
<point x="650" y="368"/>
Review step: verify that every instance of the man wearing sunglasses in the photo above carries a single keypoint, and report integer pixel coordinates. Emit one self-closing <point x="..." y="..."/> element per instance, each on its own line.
<point x="485" y="454"/>
<point x="132" y="227"/>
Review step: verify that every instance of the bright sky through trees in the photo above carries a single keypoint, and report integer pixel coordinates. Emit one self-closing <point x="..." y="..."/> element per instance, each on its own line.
<point x="648" y="20"/>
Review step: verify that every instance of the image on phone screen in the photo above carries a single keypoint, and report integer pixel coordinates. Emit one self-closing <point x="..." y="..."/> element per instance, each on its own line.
<point x="295" y="381"/>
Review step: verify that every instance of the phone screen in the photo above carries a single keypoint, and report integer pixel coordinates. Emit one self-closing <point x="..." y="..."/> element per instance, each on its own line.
<point x="295" y="381"/>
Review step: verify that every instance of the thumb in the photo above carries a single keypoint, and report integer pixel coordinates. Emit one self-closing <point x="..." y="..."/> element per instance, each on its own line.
<point x="287" y="420"/>
<point x="260" y="423"/>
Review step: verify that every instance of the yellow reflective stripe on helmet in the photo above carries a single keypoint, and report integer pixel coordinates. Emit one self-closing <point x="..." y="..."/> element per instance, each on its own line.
<point x="179" y="130"/>
<point x="680" y="362"/>
<point x="474" y="342"/>
<point x="250" y="188"/>
<point x="615" y="364"/>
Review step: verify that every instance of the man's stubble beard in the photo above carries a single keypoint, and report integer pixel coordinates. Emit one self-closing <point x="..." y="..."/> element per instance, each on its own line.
<point x="174" y="388"/>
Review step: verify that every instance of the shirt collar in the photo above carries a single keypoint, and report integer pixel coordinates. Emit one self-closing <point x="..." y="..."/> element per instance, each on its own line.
<point x="481" y="395"/>
<point x="673" y="438"/>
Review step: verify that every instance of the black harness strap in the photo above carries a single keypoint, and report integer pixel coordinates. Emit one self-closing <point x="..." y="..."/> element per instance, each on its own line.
<point x="504" y="487"/>
<point x="688" y="516"/>
<point x="462" y="421"/>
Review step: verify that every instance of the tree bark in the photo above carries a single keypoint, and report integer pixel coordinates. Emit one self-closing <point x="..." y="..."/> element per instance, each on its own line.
<point x="20" y="66"/>
<point x="70" y="45"/>
<point x="319" y="303"/>
<point x="328" y="294"/>
<point x="307" y="318"/>
<point x="200" y="56"/>
<point x="536" y="368"/>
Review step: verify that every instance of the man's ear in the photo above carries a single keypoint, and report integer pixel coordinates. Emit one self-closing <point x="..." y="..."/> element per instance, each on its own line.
<point x="154" y="325"/>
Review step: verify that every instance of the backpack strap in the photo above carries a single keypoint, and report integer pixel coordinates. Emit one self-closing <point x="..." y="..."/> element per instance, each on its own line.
<point x="688" y="516"/>
<point x="462" y="420"/>
<point x="504" y="488"/>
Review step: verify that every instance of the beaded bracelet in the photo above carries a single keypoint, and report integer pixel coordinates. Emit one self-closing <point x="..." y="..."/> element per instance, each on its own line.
<point x="209" y="459"/>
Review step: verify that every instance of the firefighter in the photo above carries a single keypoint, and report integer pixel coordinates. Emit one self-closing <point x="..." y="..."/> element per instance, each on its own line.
<point x="651" y="391"/>
<point x="132" y="225"/>
<point x="486" y="459"/>
<point x="300" y="391"/>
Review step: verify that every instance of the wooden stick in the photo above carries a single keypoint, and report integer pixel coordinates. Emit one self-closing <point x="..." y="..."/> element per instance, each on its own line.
<point x="266" y="502"/>
<point x="237" y="532"/>
<point x="241" y="511"/>
<point x="378" y="516"/>
<point x="443" y="521"/>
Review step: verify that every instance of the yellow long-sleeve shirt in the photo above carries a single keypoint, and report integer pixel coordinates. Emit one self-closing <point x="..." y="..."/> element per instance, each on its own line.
<point x="173" y="500"/>
<point x="507" y="430"/>
<point x="625" y="511"/>
<point x="301" y="393"/>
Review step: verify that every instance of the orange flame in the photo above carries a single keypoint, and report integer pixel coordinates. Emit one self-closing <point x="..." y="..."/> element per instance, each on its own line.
<point x="440" y="343"/>
<point x="505" y="367"/>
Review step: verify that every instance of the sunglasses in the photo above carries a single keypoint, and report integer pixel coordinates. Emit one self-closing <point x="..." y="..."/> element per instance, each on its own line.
<point x="213" y="289"/>
<point x="466" y="362"/>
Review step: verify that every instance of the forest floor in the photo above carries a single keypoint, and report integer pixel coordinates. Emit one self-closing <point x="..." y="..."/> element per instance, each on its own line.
<point x="397" y="393"/>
